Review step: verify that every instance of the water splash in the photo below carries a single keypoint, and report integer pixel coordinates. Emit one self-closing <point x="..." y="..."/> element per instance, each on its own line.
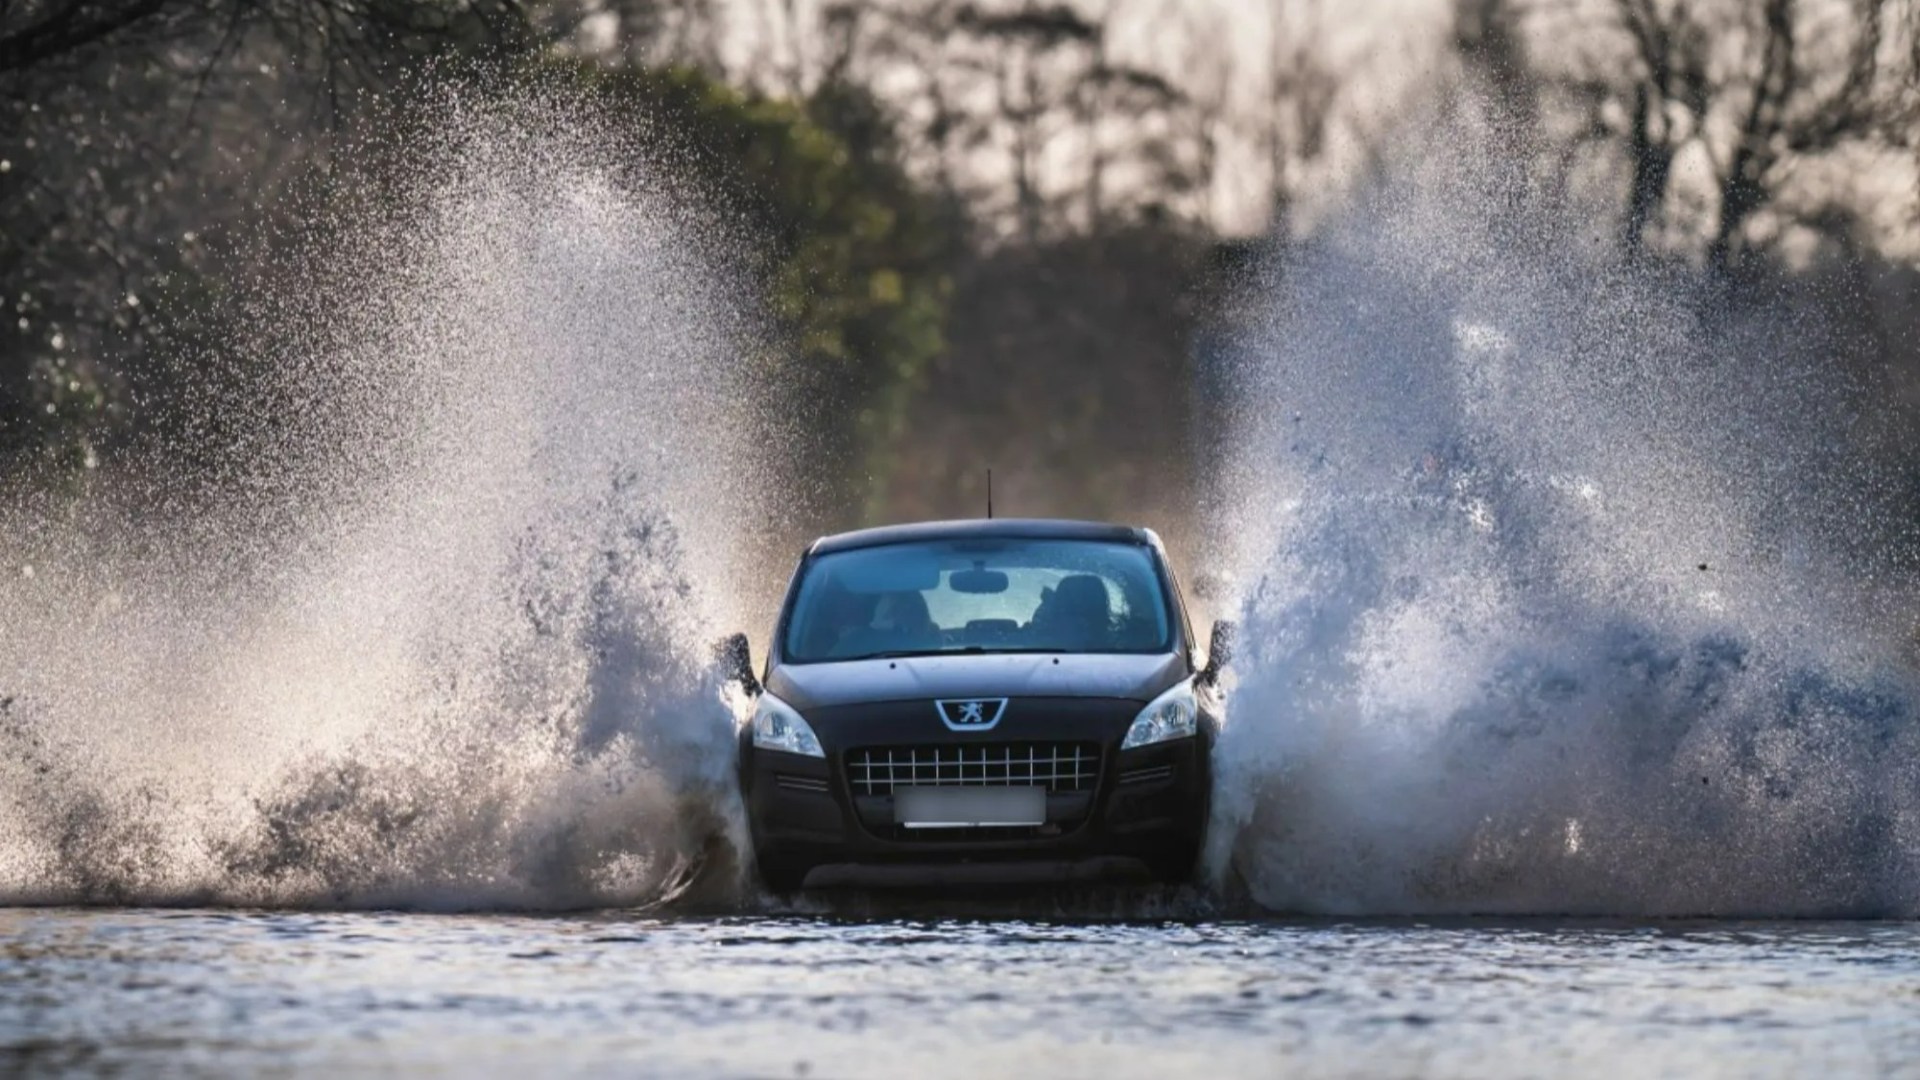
<point x="1569" y="586"/>
<point x="410" y="605"/>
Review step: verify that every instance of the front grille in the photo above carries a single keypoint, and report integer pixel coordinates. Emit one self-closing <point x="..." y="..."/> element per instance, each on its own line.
<point x="1058" y="767"/>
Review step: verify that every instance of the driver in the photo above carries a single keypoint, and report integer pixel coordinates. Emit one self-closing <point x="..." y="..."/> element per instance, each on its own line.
<point x="900" y="622"/>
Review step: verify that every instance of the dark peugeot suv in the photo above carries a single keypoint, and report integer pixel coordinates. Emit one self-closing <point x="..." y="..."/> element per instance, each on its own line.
<point x="980" y="702"/>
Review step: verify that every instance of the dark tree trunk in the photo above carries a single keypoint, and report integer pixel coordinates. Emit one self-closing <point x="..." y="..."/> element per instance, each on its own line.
<point x="1652" y="167"/>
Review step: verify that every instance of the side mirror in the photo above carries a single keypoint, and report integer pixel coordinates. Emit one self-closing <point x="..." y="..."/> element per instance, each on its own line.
<point x="1219" y="650"/>
<point x="736" y="662"/>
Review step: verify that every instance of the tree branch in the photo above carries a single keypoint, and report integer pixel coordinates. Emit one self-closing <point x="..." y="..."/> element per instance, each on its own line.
<point x="70" y="28"/>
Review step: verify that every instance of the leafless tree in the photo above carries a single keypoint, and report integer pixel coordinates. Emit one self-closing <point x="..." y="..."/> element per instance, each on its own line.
<point x="1211" y="75"/>
<point x="647" y="31"/>
<point x="1300" y="97"/>
<point x="1755" y="86"/>
<point x="1019" y="109"/>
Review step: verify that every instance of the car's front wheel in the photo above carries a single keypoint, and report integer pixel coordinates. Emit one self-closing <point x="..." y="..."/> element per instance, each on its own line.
<point x="1175" y="868"/>
<point x="782" y="877"/>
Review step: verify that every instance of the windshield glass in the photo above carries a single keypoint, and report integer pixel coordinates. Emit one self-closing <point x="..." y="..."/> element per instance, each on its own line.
<point x="979" y="595"/>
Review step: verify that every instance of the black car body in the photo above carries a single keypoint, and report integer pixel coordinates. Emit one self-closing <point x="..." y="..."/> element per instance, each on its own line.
<point x="891" y="747"/>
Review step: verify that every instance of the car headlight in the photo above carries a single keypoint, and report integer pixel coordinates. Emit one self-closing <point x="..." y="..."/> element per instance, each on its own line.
<point x="1173" y="715"/>
<point x="777" y="727"/>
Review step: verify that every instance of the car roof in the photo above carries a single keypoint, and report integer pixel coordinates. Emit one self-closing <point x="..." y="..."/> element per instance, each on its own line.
<point x="985" y="528"/>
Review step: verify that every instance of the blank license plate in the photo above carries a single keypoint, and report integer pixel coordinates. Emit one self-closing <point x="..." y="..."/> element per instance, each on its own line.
<point x="961" y="807"/>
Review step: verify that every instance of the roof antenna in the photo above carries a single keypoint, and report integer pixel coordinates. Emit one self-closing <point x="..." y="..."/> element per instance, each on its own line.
<point x="989" y="494"/>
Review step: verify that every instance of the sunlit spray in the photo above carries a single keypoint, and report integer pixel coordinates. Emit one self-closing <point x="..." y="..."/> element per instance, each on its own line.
<point x="1565" y="586"/>
<point x="422" y="617"/>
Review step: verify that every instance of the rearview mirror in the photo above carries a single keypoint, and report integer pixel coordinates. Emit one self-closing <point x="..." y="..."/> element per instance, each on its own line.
<point x="977" y="581"/>
<point x="1219" y="650"/>
<point x="736" y="662"/>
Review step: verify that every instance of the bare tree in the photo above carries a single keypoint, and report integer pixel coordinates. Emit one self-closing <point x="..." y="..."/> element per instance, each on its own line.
<point x="1755" y="87"/>
<point x="1023" y="52"/>
<point x="1794" y="107"/>
<point x="683" y="32"/>
<point x="1668" y="105"/>
<point x="1001" y="96"/>
<point x="1211" y="78"/>
<point x="1301" y="94"/>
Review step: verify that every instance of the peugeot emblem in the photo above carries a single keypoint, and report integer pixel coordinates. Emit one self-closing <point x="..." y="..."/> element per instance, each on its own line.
<point x="979" y="714"/>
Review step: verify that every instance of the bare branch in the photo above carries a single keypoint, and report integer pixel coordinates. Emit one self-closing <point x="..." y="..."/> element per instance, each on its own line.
<point x="69" y="28"/>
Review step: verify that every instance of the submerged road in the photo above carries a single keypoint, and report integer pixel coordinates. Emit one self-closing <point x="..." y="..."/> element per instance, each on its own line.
<point x="93" y="992"/>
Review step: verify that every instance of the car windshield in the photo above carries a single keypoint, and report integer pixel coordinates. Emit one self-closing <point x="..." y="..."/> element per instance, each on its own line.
<point x="979" y="595"/>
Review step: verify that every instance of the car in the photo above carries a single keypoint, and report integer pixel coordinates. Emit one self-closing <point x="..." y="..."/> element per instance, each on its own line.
<point x="992" y="702"/>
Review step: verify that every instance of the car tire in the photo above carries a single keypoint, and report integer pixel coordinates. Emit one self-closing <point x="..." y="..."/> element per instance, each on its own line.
<point x="782" y="878"/>
<point x="1176" y="868"/>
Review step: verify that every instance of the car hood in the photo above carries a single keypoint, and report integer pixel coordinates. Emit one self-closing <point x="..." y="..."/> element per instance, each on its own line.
<point x="1134" y="678"/>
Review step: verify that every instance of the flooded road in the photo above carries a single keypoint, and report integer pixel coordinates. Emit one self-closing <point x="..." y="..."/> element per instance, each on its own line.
<point x="227" y="993"/>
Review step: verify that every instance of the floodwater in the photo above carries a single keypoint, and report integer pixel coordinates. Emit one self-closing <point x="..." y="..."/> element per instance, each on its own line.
<point x="145" y="992"/>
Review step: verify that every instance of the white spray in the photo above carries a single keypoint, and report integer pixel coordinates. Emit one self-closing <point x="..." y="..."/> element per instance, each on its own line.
<point x="422" y="616"/>
<point x="1559" y="595"/>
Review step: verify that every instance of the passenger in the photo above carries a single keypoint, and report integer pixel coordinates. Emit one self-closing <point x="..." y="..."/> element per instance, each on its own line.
<point x="905" y="614"/>
<point x="1075" y="614"/>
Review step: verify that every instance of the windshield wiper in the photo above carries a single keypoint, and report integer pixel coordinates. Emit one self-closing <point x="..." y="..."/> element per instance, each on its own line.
<point x="892" y="654"/>
<point x="971" y="650"/>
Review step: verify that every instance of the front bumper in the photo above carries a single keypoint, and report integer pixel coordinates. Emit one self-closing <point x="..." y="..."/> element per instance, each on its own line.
<point x="1144" y="818"/>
